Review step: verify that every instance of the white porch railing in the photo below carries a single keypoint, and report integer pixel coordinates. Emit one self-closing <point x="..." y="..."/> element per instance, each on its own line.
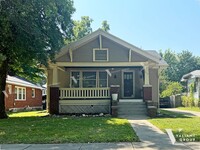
<point x="84" y="93"/>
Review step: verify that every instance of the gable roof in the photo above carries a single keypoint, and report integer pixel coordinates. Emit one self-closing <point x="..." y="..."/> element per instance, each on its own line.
<point x="21" y="82"/>
<point x="193" y="74"/>
<point x="98" y="32"/>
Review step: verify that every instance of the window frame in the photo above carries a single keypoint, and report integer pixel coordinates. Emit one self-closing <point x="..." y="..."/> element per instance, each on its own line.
<point x="98" y="49"/>
<point x="81" y="78"/>
<point x="23" y="93"/>
<point x="33" y="93"/>
<point x="9" y="89"/>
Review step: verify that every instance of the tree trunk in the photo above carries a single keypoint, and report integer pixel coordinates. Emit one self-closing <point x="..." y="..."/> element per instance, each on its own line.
<point x="3" y="75"/>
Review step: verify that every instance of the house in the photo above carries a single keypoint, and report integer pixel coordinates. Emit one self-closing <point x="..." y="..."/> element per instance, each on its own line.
<point x="192" y="78"/>
<point x="21" y="94"/>
<point x="89" y="70"/>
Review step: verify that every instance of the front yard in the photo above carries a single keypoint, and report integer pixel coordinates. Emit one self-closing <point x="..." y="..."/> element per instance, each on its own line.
<point x="197" y="109"/>
<point x="182" y="126"/>
<point x="55" y="129"/>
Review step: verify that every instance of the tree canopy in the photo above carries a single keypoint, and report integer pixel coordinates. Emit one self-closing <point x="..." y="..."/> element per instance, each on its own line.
<point x="105" y="26"/>
<point x="179" y="65"/>
<point x="82" y="27"/>
<point x="31" y="32"/>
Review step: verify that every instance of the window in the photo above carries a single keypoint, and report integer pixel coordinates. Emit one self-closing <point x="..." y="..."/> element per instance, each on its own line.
<point x="103" y="79"/>
<point x="20" y="93"/>
<point x="9" y="89"/>
<point x="89" y="79"/>
<point x="75" y="79"/>
<point x="100" y="55"/>
<point x="33" y="93"/>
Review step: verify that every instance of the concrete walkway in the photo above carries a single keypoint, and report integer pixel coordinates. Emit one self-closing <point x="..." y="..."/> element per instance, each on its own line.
<point x="151" y="137"/>
<point x="185" y="112"/>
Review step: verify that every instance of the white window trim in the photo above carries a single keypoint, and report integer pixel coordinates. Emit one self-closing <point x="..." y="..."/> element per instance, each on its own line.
<point x="81" y="77"/>
<point x="94" y="56"/>
<point x="17" y="99"/>
<point x="33" y="95"/>
<point x="9" y="89"/>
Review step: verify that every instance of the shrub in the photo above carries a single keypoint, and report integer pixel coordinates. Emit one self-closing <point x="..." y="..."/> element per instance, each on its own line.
<point x="187" y="101"/>
<point x="172" y="88"/>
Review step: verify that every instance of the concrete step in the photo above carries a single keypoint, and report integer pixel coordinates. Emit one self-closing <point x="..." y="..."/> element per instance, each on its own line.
<point x="131" y="108"/>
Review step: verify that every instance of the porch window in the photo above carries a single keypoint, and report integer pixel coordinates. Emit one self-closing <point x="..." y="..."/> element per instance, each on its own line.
<point x="89" y="79"/>
<point x="75" y="79"/>
<point x="20" y="93"/>
<point x="100" y="55"/>
<point x="103" y="82"/>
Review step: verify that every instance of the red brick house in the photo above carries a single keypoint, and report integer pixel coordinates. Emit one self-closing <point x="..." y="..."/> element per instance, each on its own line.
<point x="22" y="94"/>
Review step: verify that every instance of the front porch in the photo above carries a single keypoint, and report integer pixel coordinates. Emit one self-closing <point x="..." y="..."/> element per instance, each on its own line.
<point x="88" y="90"/>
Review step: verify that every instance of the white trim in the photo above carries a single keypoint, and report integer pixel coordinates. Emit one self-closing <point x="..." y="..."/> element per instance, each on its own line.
<point x="122" y="81"/>
<point x="130" y="55"/>
<point x="81" y="77"/>
<point x="33" y="93"/>
<point x="71" y="55"/>
<point x="100" y="42"/>
<point x="98" y="64"/>
<point x="22" y="88"/>
<point x="9" y="89"/>
<point x="100" y="49"/>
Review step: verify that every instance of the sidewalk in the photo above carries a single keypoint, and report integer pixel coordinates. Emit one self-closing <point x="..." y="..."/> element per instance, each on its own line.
<point x="186" y="112"/>
<point x="151" y="137"/>
<point x="145" y="145"/>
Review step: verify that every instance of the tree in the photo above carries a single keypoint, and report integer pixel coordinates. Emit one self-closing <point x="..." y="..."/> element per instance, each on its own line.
<point x="105" y="26"/>
<point x="31" y="32"/>
<point x="171" y="59"/>
<point x="82" y="27"/>
<point x="179" y="64"/>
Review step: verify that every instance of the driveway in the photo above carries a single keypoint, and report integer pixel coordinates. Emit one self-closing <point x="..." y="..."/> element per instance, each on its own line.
<point x="185" y="112"/>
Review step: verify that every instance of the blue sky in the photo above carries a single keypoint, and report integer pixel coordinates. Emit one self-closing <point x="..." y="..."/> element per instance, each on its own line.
<point x="148" y="24"/>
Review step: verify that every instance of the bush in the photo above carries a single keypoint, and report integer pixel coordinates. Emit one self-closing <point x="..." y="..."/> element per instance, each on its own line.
<point x="187" y="101"/>
<point x="172" y="88"/>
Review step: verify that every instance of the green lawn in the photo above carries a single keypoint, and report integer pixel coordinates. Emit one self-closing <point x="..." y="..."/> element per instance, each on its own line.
<point x="190" y="108"/>
<point x="64" y="129"/>
<point x="181" y="125"/>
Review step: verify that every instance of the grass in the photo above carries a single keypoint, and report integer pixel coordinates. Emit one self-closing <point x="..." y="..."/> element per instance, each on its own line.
<point x="29" y="114"/>
<point x="197" y="109"/>
<point x="20" y="129"/>
<point x="182" y="126"/>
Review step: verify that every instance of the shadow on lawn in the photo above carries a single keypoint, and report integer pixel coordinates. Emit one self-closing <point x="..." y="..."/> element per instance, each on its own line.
<point x="169" y="114"/>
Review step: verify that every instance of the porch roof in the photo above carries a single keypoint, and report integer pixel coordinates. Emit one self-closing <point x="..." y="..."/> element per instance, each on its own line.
<point x="193" y="74"/>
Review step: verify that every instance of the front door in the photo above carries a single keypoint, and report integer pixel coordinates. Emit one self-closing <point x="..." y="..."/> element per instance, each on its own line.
<point x="128" y="85"/>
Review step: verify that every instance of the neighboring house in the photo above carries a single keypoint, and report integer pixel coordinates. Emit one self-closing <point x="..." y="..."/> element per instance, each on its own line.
<point x="21" y="94"/>
<point x="88" y="70"/>
<point x="193" y="78"/>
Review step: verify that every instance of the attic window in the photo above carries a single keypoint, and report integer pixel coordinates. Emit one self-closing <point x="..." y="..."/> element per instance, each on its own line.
<point x="100" y="54"/>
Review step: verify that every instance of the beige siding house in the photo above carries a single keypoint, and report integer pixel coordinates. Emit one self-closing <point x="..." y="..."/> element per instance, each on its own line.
<point x="87" y="71"/>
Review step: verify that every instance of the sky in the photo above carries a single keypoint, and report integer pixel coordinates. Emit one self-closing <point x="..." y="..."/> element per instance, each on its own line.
<point x="148" y="24"/>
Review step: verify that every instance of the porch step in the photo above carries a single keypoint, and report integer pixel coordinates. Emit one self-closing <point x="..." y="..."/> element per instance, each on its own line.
<point x="131" y="108"/>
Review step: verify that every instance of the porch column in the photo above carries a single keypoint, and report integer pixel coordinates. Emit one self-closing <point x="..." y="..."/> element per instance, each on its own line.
<point x="147" y="88"/>
<point x="146" y="75"/>
<point x="54" y="101"/>
<point x="55" y="76"/>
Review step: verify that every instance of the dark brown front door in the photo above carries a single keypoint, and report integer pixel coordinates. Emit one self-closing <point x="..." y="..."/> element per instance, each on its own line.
<point x="128" y="84"/>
